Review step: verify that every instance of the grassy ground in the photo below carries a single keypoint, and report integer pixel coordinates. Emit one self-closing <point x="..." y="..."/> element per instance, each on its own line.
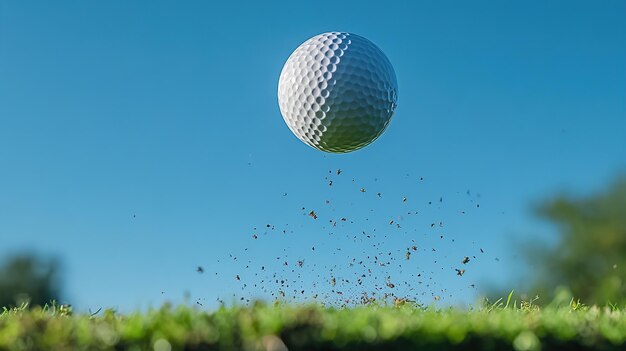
<point x="501" y="326"/>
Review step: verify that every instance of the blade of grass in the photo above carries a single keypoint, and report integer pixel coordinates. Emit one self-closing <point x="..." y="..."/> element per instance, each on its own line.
<point x="508" y="299"/>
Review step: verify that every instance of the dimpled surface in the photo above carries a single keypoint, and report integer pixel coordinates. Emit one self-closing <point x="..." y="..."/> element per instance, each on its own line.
<point x="337" y="92"/>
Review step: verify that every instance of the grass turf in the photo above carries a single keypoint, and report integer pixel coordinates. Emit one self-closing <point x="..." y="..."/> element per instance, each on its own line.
<point x="500" y="326"/>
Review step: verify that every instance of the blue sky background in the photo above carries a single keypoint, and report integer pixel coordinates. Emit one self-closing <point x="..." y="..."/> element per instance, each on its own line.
<point x="139" y="140"/>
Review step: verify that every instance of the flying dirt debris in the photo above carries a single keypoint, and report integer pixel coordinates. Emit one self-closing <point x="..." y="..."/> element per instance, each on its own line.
<point x="353" y="272"/>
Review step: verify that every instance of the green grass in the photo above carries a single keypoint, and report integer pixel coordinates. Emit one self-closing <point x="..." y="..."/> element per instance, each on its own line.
<point x="504" y="325"/>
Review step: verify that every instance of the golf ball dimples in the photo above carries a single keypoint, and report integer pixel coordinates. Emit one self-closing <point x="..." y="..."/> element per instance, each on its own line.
<point x="337" y="92"/>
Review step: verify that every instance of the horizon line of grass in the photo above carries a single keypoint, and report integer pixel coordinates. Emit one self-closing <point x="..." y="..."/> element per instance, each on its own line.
<point x="501" y="325"/>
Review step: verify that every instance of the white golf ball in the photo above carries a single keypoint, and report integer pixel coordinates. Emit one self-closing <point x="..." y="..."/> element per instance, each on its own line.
<point x="337" y="92"/>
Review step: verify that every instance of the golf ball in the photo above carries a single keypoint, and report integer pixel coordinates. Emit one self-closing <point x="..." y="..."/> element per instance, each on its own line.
<point x="337" y="92"/>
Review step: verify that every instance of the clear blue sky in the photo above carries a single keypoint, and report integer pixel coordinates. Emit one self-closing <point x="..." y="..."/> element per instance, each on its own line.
<point x="139" y="140"/>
